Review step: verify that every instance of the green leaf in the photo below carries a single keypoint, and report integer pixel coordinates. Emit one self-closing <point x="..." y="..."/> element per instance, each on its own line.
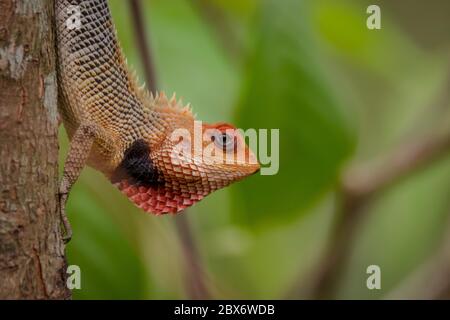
<point x="286" y="90"/>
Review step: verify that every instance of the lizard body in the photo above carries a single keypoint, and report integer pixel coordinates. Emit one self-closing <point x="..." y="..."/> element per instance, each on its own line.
<point x="123" y="131"/>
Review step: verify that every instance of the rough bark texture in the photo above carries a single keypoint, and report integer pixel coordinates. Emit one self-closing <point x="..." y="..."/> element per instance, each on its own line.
<point x="32" y="263"/>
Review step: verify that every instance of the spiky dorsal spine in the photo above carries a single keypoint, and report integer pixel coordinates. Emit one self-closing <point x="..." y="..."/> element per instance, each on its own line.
<point x="159" y="101"/>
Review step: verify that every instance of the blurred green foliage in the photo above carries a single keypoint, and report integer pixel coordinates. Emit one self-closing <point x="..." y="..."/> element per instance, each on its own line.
<point x="339" y="93"/>
<point x="286" y="90"/>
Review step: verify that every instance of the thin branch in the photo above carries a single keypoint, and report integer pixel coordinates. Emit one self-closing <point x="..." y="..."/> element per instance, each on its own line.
<point x="432" y="279"/>
<point x="364" y="182"/>
<point x="197" y="288"/>
<point x="215" y="17"/>
<point x="359" y="188"/>
<point x="196" y="276"/>
<point x="143" y="45"/>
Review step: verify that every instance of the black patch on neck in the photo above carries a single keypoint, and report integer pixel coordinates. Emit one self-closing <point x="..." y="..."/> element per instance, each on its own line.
<point x="137" y="167"/>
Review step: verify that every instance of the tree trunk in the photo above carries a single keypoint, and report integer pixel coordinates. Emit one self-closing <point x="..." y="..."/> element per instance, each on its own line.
<point x="32" y="262"/>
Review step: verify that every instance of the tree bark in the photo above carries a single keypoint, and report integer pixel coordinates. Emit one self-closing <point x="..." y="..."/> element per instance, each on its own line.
<point x="32" y="262"/>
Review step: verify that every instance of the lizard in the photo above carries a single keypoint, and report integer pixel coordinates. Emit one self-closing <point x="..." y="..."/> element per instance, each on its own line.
<point x="125" y="132"/>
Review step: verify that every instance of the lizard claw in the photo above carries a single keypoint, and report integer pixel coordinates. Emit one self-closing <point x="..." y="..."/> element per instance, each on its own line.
<point x="66" y="224"/>
<point x="67" y="231"/>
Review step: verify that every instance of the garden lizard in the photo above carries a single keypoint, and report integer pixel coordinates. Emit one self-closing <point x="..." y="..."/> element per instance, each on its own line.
<point x="126" y="133"/>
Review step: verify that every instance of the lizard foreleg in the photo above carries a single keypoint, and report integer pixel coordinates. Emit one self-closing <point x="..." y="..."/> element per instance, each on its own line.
<point x="79" y="151"/>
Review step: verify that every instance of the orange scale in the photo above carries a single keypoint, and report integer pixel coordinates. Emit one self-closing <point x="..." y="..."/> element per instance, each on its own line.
<point x="171" y="203"/>
<point x="136" y="198"/>
<point x="132" y="190"/>
<point x="144" y="197"/>
<point x="159" y="207"/>
<point x="128" y="192"/>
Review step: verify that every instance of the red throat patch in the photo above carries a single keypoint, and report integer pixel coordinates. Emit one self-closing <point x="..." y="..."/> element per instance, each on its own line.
<point x="158" y="200"/>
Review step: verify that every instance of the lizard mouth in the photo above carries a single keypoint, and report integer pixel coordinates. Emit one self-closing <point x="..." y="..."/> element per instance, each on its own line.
<point x="159" y="199"/>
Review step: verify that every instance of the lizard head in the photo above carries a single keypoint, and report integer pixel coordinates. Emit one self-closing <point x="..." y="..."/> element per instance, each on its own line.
<point x="170" y="171"/>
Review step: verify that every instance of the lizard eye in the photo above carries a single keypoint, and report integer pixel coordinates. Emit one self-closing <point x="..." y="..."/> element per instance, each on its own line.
<point x="224" y="141"/>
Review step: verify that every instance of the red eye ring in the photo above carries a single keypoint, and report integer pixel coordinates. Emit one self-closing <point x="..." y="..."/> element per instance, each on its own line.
<point x="223" y="127"/>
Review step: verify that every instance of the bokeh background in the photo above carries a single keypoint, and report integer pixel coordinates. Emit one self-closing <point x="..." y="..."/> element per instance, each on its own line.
<point x="343" y="97"/>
